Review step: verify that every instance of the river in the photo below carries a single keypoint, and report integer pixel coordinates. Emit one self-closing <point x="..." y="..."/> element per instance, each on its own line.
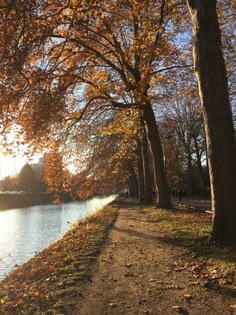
<point x="26" y="231"/>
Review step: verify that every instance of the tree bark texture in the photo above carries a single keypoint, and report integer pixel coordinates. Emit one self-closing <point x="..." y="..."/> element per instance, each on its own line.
<point x="140" y="171"/>
<point x="213" y="89"/>
<point x="158" y="163"/>
<point x="189" y="173"/>
<point x="148" y="176"/>
<point x="133" y="184"/>
<point x="199" y="164"/>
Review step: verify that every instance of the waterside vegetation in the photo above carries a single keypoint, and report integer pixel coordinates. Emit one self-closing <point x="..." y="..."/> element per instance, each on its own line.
<point x="44" y="285"/>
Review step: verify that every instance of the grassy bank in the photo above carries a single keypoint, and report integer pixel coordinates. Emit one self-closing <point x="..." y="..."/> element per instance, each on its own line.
<point x="44" y="283"/>
<point x="190" y="229"/>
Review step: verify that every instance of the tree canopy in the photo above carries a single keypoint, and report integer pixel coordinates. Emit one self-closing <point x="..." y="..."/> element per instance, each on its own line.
<point x="106" y="82"/>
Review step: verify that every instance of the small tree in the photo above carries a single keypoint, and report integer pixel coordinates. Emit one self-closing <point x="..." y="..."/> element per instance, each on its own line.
<point x="55" y="174"/>
<point x="9" y="184"/>
<point x="26" y="178"/>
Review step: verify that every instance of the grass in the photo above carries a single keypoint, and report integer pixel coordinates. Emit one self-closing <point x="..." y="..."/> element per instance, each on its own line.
<point x="44" y="283"/>
<point x="191" y="230"/>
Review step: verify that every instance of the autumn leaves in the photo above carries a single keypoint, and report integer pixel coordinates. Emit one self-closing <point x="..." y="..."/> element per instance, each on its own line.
<point x="92" y="80"/>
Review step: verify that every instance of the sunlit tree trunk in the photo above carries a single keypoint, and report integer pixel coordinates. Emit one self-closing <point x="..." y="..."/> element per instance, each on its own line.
<point x="140" y="170"/>
<point x="212" y="81"/>
<point x="148" y="176"/>
<point x="158" y="163"/>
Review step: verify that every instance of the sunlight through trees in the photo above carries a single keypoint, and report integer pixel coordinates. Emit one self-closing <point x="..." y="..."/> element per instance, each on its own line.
<point x="111" y="85"/>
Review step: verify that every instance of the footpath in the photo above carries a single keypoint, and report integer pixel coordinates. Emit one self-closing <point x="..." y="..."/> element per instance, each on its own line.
<point x="141" y="270"/>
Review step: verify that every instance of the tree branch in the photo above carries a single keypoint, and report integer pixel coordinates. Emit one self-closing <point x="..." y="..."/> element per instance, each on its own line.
<point x="170" y="68"/>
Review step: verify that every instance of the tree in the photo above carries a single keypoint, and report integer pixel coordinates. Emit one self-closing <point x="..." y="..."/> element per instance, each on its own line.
<point x="26" y="178"/>
<point x="38" y="169"/>
<point x="114" y="156"/>
<point x="9" y="184"/>
<point x="105" y="171"/>
<point x="55" y="174"/>
<point x="112" y="54"/>
<point x="183" y="133"/>
<point x="145" y="168"/>
<point x="72" y="61"/>
<point x="213" y="89"/>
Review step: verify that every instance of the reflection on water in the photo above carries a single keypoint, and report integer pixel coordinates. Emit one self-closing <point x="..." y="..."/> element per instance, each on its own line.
<point x="25" y="231"/>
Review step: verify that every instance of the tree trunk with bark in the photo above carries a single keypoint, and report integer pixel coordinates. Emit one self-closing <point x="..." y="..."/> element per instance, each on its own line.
<point x="158" y="163"/>
<point x="141" y="175"/>
<point x="148" y="177"/>
<point x="189" y="173"/>
<point x="199" y="164"/>
<point x="213" y="88"/>
<point x="133" y="183"/>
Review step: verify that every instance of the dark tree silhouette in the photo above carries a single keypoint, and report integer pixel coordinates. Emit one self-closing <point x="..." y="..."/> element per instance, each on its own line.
<point x="26" y="178"/>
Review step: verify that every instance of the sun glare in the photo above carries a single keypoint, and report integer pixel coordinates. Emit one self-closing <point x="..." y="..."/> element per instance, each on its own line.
<point x="10" y="166"/>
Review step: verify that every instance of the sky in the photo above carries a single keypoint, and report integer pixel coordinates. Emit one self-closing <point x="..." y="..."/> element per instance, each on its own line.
<point x="10" y="166"/>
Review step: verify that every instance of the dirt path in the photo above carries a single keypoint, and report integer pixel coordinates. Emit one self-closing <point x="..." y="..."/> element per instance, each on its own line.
<point x="139" y="272"/>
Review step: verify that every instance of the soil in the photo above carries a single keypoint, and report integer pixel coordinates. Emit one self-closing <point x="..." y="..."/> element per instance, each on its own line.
<point x="140" y="270"/>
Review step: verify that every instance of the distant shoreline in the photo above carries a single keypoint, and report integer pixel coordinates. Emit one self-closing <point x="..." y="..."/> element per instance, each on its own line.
<point x="22" y="200"/>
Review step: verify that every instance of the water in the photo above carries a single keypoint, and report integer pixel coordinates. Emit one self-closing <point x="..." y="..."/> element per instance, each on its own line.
<point x="25" y="231"/>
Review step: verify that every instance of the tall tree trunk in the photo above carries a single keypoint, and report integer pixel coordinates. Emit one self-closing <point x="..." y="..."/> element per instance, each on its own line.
<point x="189" y="173"/>
<point x="148" y="177"/>
<point x="199" y="164"/>
<point x="141" y="175"/>
<point x="212" y="81"/>
<point x="158" y="163"/>
<point x="133" y="183"/>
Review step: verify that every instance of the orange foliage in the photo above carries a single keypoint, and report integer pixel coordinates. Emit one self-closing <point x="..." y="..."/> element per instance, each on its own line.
<point x="56" y="177"/>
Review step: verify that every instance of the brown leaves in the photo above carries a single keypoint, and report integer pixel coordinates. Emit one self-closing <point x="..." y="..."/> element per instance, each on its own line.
<point x="55" y="175"/>
<point x="38" y="284"/>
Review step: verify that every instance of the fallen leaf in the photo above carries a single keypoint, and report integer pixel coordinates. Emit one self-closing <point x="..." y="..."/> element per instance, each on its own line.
<point x="128" y="274"/>
<point x="128" y="265"/>
<point x="152" y="280"/>
<point x="188" y="296"/>
<point x="2" y="301"/>
<point x="36" y="293"/>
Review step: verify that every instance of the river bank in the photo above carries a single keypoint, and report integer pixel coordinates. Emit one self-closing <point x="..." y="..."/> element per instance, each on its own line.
<point x="39" y="284"/>
<point x="23" y="200"/>
<point x="25" y="231"/>
<point x="151" y="262"/>
<point x="13" y="200"/>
